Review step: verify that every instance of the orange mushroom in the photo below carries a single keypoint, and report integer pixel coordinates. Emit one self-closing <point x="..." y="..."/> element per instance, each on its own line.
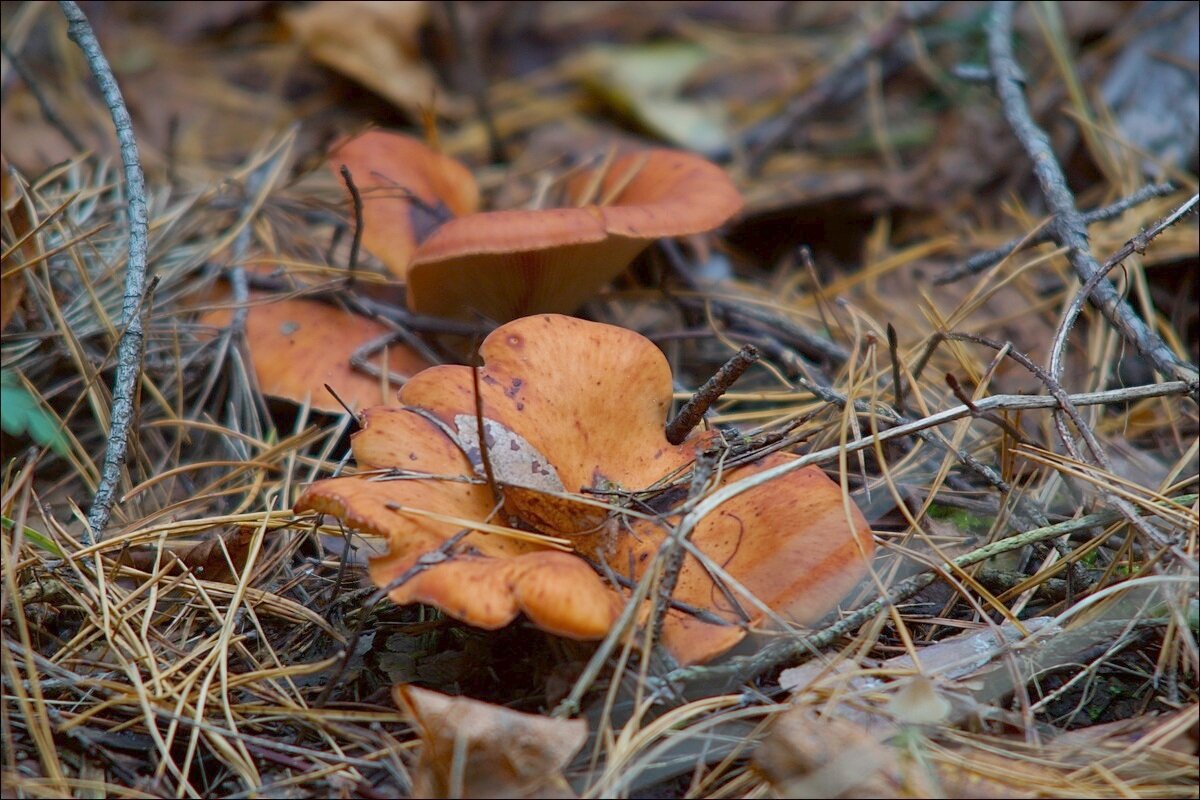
<point x="569" y="408"/>
<point x="419" y="218"/>
<point x="408" y="191"/>
<point x="297" y="346"/>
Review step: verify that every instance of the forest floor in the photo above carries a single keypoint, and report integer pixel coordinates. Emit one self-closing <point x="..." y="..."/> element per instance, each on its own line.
<point x="931" y="192"/>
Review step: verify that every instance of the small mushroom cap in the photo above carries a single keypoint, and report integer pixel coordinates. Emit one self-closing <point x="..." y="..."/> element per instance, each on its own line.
<point x="297" y="346"/>
<point x="408" y="191"/>
<point x="495" y="751"/>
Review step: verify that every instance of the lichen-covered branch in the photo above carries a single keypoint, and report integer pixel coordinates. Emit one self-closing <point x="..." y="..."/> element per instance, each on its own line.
<point x="129" y="351"/>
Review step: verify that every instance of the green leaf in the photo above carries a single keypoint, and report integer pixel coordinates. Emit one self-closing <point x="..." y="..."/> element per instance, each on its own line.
<point x="35" y="537"/>
<point x="22" y="415"/>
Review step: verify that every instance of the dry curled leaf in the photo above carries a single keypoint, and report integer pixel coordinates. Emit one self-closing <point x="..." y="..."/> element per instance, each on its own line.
<point x="214" y="559"/>
<point x="378" y="45"/>
<point x="474" y="749"/>
<point x="805" y="755"/>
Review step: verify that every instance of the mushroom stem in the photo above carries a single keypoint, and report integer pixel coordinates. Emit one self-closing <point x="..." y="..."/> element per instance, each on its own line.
<point x="693" y="411"/>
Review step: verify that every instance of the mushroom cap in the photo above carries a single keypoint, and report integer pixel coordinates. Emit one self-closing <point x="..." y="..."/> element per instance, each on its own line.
<point x="574" y="412"/>
<point x="592" y="398"/>
<point x="508" y="264"/>
<point x="297" y="346"/>
<point x="408" y="190"/>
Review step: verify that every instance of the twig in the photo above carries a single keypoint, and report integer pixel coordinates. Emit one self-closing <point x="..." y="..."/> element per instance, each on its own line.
<point x="981" y="261"/>
<point x="804" y="341"/>
<point x="129" y="351"/>
<point x="693" y="410"/>
<point x="1138" y="244"/>
<point x="476" y="79"/>
<point x="746" y="668"/>
<point x="485" y="457"/>
<point x="1067" y="228"/>
<point x="961" y="394"/>
<point x="672" y="551"/>
<point x="894" y="354"/>
<point x="256" y="188"/>
<point x="31" y="83"/>
<point x="338" y="399"/>
<point x="356" y="243"/>
<point x="832" y="84"/>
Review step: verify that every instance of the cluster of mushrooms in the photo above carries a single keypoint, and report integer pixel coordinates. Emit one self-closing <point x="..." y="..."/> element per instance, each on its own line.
<point x="527" y="485"/>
